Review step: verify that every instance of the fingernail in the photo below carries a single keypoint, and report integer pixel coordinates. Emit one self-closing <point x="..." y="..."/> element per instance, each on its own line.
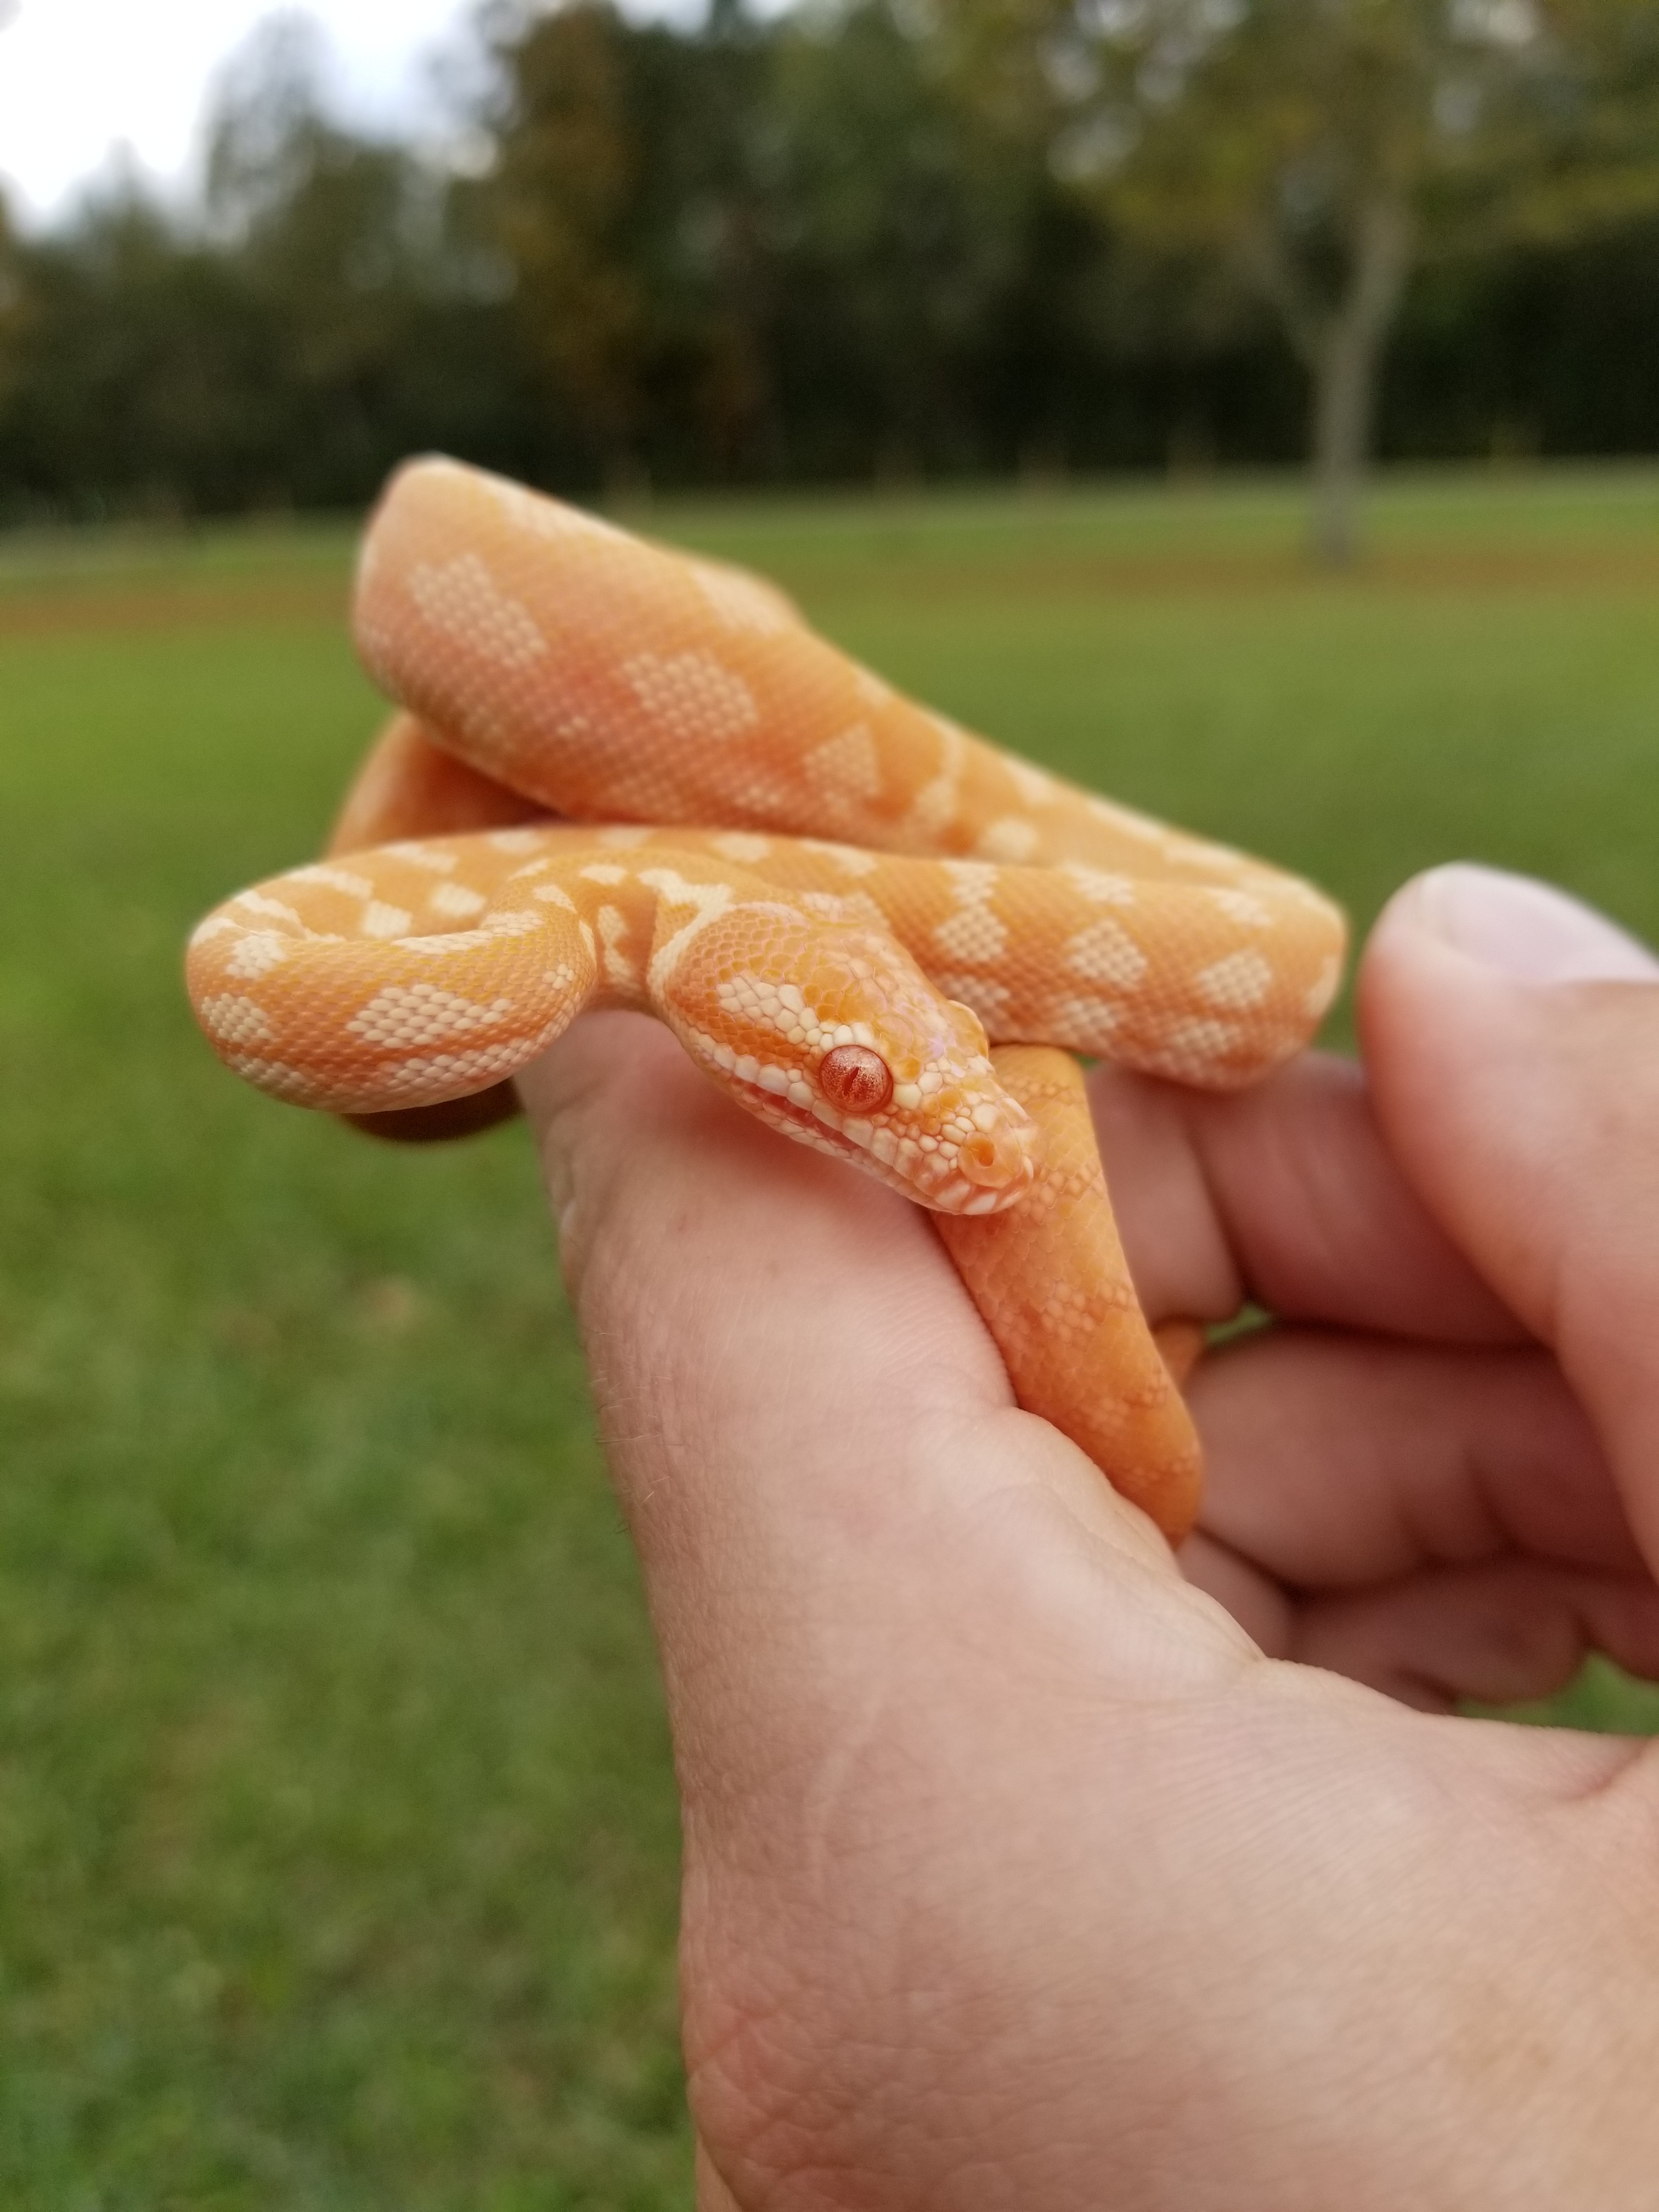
<point x="1527" y="929"/>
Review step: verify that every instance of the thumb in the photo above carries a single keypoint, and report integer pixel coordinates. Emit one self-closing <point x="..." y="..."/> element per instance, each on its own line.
<point x="1512" y="1036"/>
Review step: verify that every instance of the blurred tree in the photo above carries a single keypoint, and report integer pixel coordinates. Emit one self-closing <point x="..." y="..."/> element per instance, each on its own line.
<point x="327" y="312"/>
<point x="778" y="247"/>
<point x="1322" y="147"/>
<point x="344" y="245"/>
<point x="626" y="197"/>
<point x="904" y="244"/>
<point x="137" y="369"/>
<point x="12" y="295"/>
<point x="266" y="118"/>
<point x="791" y="247"/>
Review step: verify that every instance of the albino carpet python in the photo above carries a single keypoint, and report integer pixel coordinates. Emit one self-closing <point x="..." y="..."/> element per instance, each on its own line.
<point x="831" y="895"/>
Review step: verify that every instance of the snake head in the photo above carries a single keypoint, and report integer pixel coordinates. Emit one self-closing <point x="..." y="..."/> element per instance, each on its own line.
<point x="829" y="1032"/>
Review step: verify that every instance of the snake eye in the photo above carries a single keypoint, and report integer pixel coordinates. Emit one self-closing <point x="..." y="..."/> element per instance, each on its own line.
<point x="855" y="1079"/>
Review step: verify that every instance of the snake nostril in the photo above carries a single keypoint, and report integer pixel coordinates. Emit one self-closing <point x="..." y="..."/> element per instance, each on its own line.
<point x="855" y="1079"/>
<point x="996" y="1159"/>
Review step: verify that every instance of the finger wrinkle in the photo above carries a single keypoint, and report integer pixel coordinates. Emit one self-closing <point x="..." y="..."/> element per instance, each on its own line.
<point x="1500" y="1631"/>
<point x="1178" y="1258"/>
<point x="1264" y="1608"/>
<point x="1338" y="1460"/>
<point x="1321" y="1219"/>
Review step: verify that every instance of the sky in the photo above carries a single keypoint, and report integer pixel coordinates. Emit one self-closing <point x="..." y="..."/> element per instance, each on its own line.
<point x="79" y="79"/>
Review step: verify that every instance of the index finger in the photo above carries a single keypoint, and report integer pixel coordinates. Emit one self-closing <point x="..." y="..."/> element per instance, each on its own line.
<point x="1286" y="1196"/>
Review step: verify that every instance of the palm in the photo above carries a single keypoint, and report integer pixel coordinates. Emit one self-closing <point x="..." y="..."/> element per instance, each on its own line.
<point x="1011" y="1865"/>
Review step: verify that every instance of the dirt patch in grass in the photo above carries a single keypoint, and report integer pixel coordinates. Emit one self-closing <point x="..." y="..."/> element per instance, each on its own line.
<point x="170" y="607"/>
<point x="927" y="576"/>
<point x="1473" y="572"/>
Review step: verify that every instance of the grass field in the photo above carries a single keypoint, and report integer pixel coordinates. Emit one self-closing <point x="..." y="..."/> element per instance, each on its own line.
<point x="337" y="1851"/>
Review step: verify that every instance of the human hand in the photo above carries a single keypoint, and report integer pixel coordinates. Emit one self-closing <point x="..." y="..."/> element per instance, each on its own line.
<point x="1016" y="1874"/>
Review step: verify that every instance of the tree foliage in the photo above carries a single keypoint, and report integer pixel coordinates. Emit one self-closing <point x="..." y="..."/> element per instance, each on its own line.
<point x="1318" y="149"/>
<point x="880" y="238"/>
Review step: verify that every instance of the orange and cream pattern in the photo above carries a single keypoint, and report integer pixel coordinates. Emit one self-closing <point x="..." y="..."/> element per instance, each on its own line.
<point x="832" y="895"/>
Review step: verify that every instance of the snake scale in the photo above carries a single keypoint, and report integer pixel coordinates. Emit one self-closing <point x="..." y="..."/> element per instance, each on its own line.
<point x="622" y="776"/>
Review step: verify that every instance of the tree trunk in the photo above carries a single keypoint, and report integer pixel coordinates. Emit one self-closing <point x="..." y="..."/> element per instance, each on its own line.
<point x="1344" y="362"/>
<point x="1344" y="383"/>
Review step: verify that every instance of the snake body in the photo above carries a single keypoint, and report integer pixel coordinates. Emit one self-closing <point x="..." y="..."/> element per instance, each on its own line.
<point x="879" y="893"/>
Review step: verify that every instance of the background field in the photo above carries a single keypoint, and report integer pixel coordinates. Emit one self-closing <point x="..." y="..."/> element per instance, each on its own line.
<point x="337" y="1853"/>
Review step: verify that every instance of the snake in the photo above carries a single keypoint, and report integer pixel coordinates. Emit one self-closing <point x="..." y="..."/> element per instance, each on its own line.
<point x="622" y="775"/>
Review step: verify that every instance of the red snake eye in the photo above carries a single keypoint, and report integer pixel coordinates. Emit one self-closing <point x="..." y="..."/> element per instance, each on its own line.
<point x="855" y="1079"/>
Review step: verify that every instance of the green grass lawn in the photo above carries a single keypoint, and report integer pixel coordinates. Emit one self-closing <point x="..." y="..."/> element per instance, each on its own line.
<point x="337" y="1848"/>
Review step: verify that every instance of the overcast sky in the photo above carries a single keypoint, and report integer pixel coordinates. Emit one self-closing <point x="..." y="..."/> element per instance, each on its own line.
<point x="80" y="78"/>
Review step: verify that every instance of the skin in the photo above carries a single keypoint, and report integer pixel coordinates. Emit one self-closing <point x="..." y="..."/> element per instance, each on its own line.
<point x="1027" y="1866"/>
